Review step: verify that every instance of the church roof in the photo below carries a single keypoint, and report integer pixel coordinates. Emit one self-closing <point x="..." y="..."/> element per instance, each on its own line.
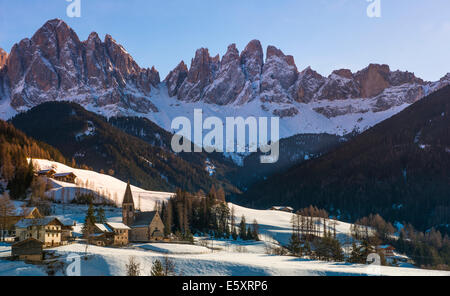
<point x="143" y="219"/>
<point x="128" y="198"/>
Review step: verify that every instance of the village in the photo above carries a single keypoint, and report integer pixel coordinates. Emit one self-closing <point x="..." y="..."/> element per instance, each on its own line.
<point x="30" y="232"/>
<point x="34" y="236"/>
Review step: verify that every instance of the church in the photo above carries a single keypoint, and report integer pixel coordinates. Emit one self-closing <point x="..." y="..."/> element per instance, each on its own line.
<point x="145" y="226"/>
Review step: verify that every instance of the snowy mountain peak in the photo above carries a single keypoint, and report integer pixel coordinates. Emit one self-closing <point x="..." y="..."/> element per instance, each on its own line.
<point x="103" y="77"/>
<point x="55" y="65"/>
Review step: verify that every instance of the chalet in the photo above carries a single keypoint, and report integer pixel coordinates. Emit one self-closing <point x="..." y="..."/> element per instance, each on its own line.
<point x="47" y="230"/>
<point x="144" y="226"/>
<point x="28" y="250"/>
<point x="19" y="214"/>
<point x="46" y="173"/>
<point x="108" y="234"/>
<point x="102" y="235"/>
<point x="282" y="209"/>
<point x="65" y="177"/>
<point x="121" y="232"/>
<point x="387" y="250"/>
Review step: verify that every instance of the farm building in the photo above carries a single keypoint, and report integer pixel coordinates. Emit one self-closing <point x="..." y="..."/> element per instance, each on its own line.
<point x="28" y="250"/>
<point x="47" y="230"/>
<point x="65" y="177"/>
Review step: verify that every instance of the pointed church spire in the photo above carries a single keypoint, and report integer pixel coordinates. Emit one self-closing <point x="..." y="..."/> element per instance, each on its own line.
<point x="128" y="198"/>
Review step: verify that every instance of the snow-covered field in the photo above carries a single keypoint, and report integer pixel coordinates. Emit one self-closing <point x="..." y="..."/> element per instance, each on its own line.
<point x="224" y="262"/>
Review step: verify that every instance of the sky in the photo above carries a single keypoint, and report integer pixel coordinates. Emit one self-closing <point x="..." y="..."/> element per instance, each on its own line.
<point x="411" y="35"/>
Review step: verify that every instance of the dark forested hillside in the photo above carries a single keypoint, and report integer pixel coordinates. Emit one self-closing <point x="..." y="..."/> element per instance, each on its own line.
<point x="151" y="133"/>
<point x="293" y="150"/>
<point x="15" y="148"/>
<point x="91" y="140"/>
<point x="400" y="169"/>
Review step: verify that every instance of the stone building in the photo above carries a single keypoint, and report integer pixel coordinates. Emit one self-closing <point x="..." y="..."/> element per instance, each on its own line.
<point x="144" y="226"/>
<point x="110" y="234"/>
<point x="47" y="230"/>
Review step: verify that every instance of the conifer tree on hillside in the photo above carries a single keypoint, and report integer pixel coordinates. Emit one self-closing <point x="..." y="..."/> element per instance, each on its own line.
<point x="100" y="215"/>
<point x="89" y="225"/>
<point x="243" y="228"/>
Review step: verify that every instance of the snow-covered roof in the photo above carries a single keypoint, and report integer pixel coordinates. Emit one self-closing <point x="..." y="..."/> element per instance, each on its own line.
<point x="46" y="171"/>
<point x="118" y="226"/>
<point x="281" y="208"/>
<point x="23" y="211"/>
<point x="143" y="219"/>
<point x="386" y="247"/>
<point x="103" y="227"/>
<point x="24" y="223"/>
<point x="64" y="174"/>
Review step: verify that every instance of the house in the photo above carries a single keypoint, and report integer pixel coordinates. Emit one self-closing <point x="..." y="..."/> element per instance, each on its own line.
<point x="282" y="208"/>
<point x="29" y="250"/>
<point x="65" y="177"/>
<point x="144" y="226"/>
<point x="387" y="250"/>
<point x="19" y="214"/>
<point x="108" y="234"/>
<point x="47" y="230"/>
<point x="46" y="173"/>
<point x="121" y="233"/>
<point x="67" y="232"/>
<point x="102" y="235"/>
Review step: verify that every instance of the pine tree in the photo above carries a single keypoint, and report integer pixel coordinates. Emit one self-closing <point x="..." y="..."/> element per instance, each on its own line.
<point x="295" y="245"/>
<point x="157" y="268"/>
<point x="243" y="228"/>
<point x="100" y="217"/>
<point x="89" y="221"/>
<point x="255" y="230"/>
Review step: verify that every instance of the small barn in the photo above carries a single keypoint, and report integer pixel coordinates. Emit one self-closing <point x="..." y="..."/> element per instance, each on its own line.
<point x="68" y="177"/>
<point x="29" y="250"/>
<point x="47" y="173"/>
<point x="282" y="209"/>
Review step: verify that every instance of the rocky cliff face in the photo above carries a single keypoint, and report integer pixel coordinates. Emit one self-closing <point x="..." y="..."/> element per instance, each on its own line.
<point x="241" y="78"/>
<point x="102" y="76"/>
<point x="3" y="57"/>
<point x="55" y="65"/>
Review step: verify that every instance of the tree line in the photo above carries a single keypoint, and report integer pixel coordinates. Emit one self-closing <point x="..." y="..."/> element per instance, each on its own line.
<point x="187" y="214"/>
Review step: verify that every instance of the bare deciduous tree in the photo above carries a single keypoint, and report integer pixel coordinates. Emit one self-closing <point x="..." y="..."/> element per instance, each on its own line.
<point x="7" y="209"/>
<point x="133" y="267"/>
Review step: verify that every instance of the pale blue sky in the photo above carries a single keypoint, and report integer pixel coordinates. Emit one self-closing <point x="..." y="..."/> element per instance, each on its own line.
<point x="411" y="35"/>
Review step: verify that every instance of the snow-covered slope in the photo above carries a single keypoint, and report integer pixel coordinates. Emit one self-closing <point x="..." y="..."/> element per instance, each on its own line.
<point x="106" y="185"/>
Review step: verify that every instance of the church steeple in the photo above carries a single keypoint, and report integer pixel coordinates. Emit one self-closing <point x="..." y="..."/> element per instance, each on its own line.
<point x="128" y="206"/>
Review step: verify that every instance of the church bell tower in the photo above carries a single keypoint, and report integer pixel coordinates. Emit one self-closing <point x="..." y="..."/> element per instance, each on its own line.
<point x="128" y="207"/>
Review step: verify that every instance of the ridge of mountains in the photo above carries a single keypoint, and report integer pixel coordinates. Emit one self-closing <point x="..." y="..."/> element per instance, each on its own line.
<point x="100" y="75"/>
